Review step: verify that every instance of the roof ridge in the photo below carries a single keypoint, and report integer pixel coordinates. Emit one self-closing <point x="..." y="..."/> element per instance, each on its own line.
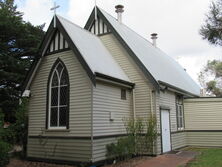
<point x="168" y="62"/>
<point x="128" y="27"/>
<point x="76" y="25"/>
<point x="157" y="48"/>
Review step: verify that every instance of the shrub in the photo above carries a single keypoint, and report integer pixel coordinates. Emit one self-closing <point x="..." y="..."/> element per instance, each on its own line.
<point x="4" y="155"/>
<point x="121" y="150"/>
<point x="1" y="118"/>
<point x="151" y="134"/>
<point x="21" y="125"/>
<point x="8" y="135"/>
<point x="16" y="133"/>
<point x="140" y="139"/>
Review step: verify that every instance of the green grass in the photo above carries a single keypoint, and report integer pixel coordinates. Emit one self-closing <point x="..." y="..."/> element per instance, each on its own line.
<point x="209" y="157"/>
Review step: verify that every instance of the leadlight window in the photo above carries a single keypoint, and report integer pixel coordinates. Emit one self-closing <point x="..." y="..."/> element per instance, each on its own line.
<point x="58" y="97"/>
<point x="180" y="113"/>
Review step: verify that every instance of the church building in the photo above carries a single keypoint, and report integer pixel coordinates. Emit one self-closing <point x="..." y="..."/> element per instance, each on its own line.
<point x="86" y="80"/>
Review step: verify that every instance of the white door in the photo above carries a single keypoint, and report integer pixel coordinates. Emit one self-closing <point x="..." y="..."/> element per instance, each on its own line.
<point x="165" y="123"/>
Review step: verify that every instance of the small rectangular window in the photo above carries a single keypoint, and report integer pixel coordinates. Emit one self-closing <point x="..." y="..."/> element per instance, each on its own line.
<point x="123" y="94"/>
<point x="180" y="114"/>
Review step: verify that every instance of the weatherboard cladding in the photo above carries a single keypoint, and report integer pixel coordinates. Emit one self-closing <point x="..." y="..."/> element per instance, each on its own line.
<point x="203" y="113"/>
<point x="80" y="97"/>
<point x="162" y="67"/>
<point x="142" y="86"/>
<point x="107" y="100"/>
<point x="79" y="117"/>
<point x="59" y="149"/>
<point x="206" y="139"/>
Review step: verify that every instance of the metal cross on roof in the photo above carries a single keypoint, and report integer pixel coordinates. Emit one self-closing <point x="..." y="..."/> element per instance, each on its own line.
<point x="54" y="9"/>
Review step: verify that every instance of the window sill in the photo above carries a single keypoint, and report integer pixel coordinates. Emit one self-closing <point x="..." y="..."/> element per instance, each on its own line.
<point x="57" y="130"/>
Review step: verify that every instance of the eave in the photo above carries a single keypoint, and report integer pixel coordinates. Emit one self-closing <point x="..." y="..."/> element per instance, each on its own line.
<point x="176" y="89"/>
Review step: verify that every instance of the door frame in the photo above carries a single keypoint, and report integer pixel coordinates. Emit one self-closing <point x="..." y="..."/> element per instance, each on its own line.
<point x="161" y="137"/>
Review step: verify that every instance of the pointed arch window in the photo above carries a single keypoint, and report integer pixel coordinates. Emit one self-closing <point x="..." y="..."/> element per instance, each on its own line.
<point x="58" y="97"/>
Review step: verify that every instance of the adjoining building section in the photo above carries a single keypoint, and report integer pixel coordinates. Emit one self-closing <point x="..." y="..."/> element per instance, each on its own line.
<point x="203" y="121"/>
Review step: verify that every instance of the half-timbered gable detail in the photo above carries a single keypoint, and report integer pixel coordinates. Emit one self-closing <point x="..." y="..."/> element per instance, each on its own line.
<point x="99" y="27"/>
<point x="58" y="43"/>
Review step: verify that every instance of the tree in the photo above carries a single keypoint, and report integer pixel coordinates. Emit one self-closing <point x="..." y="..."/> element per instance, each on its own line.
<point x="212" y="29"/>
<point x="19" y="41"/>
<point x="210" y="78"/>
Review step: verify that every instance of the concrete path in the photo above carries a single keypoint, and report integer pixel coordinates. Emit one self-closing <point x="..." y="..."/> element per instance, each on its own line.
<point x="170" y="160"/>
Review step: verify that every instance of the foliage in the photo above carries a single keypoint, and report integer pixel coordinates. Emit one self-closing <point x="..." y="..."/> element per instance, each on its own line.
<point x="151" y="134"/>
<point x="140" y="139"/>
<point x="1" y="118"/>
<point x="19" y="41"/>
<point x="212" y="29"/>
<point x="121" y="150"/>
<point x="4" y="146"/>
<point x="16" y="133"/>
<point x="8" y="135"/>
<point x="135" y="131"/>
<point x="21" y="125"/>
<point x="210" y="77"/>
<point x="4" y="153"/>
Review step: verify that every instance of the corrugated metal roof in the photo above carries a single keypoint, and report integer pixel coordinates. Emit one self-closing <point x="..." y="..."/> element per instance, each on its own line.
<point x="162" y="67"/>
<point x="93" y="51"/>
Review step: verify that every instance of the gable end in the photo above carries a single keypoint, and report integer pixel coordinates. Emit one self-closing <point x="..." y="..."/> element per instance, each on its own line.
<point x="124" y="44"/>
<point x="52" y="44"/>
<point x="57" y="44"/>
<point x="76" y="51"/>
<point x="97" y="27"/>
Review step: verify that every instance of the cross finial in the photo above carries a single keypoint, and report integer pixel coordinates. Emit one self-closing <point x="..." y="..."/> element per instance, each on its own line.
<point x="54" y="9"/>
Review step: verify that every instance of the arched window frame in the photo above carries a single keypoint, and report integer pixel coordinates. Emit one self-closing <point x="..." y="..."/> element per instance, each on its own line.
<point x="49" y="96"/>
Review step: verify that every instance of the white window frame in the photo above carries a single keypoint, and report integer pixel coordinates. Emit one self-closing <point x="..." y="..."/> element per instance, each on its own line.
<point x="58" y="105"/>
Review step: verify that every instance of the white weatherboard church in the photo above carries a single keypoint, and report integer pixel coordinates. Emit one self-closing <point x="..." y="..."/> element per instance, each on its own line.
<point x="86" y="80"/>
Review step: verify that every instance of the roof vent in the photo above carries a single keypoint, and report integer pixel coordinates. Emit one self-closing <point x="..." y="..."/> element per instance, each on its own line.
<point x="154" y="38"/>
<point x="119" y="11"/>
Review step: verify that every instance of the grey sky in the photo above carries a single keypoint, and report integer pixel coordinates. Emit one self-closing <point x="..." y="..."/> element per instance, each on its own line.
<point x="177" y="23"/>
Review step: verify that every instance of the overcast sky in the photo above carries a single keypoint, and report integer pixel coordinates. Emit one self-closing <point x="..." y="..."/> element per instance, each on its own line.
<point x="177" y="23"/>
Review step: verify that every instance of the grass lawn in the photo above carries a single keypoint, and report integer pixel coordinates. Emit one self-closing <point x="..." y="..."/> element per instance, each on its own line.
<point x="209" y="157"/>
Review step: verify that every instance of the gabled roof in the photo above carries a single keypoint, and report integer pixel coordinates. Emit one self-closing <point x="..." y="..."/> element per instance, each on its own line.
<point x="93" y="51"/>
<point x="90" y="51"/>
<point x="162" y="67"/>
